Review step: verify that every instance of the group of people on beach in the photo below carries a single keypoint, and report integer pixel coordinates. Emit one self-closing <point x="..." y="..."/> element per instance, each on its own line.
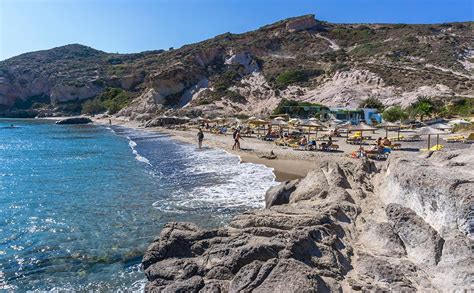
<point x="381" y="146"/>
<point x="235" y="134"/>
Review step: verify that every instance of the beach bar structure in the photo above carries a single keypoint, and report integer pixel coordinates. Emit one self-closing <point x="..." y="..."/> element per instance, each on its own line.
<point x="355" y="115"/>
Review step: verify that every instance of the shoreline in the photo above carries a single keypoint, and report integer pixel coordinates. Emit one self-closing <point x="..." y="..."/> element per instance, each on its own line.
<point x="284" y="169"/>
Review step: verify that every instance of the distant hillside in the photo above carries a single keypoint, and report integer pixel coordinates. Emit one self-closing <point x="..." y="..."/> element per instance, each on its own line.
<point x="298" y="58"/>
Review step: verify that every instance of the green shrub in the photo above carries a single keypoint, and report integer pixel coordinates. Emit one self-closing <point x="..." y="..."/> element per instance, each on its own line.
<point x="226" y="80"/>
<point x="115" y="99"/>
<point x="294" y="76"/>
<point x="112" y="100"/>
<point x="298" y="108"/>
<point x="422" y="107"/>
<point x="93" y="106"/>
<point x="460" y="107"/>
<point x="372" y="102"/>
<point x="394" y="113"/>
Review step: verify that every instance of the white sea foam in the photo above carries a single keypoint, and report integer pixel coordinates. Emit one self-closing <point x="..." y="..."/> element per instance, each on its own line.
<point x="233" y="184"/>
<point x="139" y="158"/>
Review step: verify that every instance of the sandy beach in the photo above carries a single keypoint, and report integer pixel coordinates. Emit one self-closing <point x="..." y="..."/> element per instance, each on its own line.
<point x="289" y="164"/>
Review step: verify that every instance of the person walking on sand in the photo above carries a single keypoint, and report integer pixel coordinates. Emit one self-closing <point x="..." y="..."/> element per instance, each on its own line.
<point x="200" y="136"/>
<point x="237" y="138"/>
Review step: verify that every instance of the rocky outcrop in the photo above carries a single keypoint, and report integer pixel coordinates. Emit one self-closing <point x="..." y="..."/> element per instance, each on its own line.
<point x="280" y="194"/>
<point x="75" y="120"/>
<point x="301" y="23"/>
<point x="347" y="226"/>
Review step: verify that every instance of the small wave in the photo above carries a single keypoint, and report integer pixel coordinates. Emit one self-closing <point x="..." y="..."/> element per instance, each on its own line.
<point x="138" y="157"/>
<point x="225" y="184"/>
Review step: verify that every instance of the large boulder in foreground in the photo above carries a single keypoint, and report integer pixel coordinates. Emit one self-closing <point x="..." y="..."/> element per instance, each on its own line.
<point x="75" y="120"/>
<point x="335" y="230"/>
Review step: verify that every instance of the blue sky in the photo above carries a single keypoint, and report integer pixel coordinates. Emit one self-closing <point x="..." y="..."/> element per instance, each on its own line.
<point x="137" y="25"/>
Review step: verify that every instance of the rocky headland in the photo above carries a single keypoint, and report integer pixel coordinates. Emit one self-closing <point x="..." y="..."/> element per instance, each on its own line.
<point x="349" y="225"/>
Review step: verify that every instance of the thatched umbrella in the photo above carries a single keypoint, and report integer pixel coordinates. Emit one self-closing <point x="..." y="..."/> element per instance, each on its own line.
<point x="310" y="124"/>
<point x="442" y="126"/>
<point x="360" y="127"/>
<point x="427" y="130"/>
<point x="280" y="123"/>
<point x="459" y="122"/>
<point x="388" y="125"/>
<point x="259" y="122"/>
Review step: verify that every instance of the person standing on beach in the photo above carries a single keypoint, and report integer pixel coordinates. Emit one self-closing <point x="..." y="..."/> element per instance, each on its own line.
<point x="200" y="136"/>
<point x="237" y="138"/>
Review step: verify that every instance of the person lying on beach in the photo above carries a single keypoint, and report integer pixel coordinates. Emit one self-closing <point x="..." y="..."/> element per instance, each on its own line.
<point x="386" y="142"/>
<point x="200" y="136"/>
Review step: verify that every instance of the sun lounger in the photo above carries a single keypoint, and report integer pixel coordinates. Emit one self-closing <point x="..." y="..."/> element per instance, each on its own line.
<point x="375" y="155"/>
<point x="332" y="147"/>
<point x="396" y="138"/>
<point x="456" y="138"/>
<point x="394" y="146"/>
<point x="356" y="140"/>
<point x="414" y="137"/>
<point x="437" y="147"/>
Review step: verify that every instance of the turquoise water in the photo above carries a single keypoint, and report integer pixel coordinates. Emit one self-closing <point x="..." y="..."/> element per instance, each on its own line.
<point x="79" y="204"/>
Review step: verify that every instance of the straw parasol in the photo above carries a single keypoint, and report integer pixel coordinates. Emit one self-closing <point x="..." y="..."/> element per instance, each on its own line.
<point x="310" y="124"/>
<point x="259" y="122"/>
<point x="427" y="130"/>
<point x="278" y="122"/>
<point x="442" y="126"/>
<point x="387" y="125"/>
<point x="458" y="121"/>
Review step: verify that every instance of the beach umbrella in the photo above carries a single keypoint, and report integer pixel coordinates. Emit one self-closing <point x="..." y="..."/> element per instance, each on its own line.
<point x="427" y="130"/>
<point x="310" y="124"/>
<point x="259" y="122"/>
<point x="278" y="122"/>
<point x="458" y="122"/>
<point x="360" y="127"/>
<point x="388" y="125"/>
<point x="442" y="126"/>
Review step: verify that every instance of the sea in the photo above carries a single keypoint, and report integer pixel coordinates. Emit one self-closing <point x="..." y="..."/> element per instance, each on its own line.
<point x="79" y="204"/>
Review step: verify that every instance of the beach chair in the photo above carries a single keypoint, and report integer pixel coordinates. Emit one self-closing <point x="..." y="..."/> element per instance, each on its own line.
<point x="413" y="137"/>
<point x="470" y="138"/>
<point x="357" y="134"/>
<point x="437" y="147"/>
<point x="375" y="155"/>
<point x="456" y="138"/>
<point x="395" y="138"/>
<point x="394" y="146"/>
<point x="333" y="147"/>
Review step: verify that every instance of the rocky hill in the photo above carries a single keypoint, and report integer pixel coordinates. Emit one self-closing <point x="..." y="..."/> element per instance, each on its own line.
<point x="348" y="226"/>
<point x="299" y="58"/>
